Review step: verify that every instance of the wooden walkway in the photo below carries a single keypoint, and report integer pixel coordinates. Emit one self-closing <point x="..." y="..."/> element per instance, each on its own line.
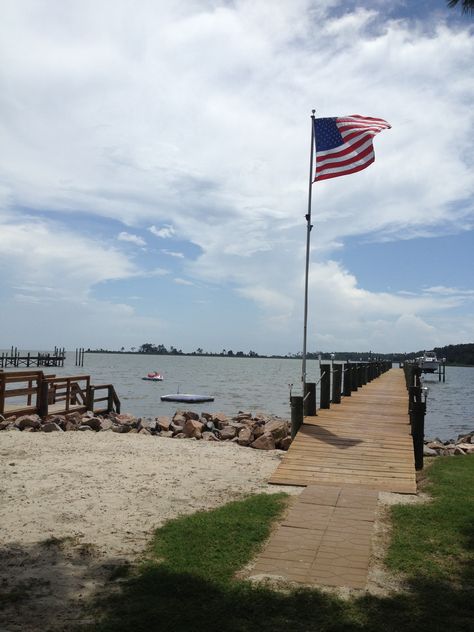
<point x="363" y="441"/>
<point x="344" y="456"/>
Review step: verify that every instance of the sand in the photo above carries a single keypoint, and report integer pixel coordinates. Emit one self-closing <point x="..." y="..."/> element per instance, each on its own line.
<point x="77" y="505"/>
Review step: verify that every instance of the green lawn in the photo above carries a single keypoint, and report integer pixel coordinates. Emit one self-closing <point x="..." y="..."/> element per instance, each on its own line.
<point x="188" y="584"/>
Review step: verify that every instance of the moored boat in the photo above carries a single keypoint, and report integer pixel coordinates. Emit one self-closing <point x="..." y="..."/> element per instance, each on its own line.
<point x="190" y="398"/>
<point x="153" y="376"/>
<point x="428" y="362"/>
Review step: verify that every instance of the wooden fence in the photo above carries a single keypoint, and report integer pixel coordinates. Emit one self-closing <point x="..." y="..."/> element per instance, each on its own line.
<point x="26" y="392"/>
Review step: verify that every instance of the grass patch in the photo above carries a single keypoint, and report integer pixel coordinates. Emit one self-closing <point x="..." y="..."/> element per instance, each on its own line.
<point x="436" y="540"/>
<point x="215" y="544"/>
<point x="188" y="583"/>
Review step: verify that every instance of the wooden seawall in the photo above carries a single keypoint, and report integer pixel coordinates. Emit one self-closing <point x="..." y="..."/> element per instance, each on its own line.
<point x="365" y="440"/>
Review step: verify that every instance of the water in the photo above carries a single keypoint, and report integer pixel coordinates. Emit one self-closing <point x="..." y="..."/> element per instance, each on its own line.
<point x="450" y="406"/>
<point x="252" y="384"/>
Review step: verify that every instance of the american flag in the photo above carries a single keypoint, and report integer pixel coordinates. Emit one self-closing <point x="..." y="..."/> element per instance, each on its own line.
<point x="345" y="144"/>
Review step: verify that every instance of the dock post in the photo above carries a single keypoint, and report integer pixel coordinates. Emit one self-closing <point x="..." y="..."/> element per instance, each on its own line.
<point x="43" y="398"/>
<point x="417" y="421"/>
<point x="346" y="388"/>
<point x="336" y="383"/>
<point x="309" y="402"/>
<point x="360" y="375"/>
<point x="354" y="377"/>
<point x="325" y="392"/>
<point x="296" y="405"/>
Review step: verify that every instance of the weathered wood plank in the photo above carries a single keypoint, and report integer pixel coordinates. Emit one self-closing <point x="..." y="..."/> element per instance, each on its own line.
<point x="365" y="440"/>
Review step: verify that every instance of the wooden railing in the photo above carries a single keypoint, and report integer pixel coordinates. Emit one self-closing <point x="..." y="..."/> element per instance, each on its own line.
<point x="46" y="394"/>
<point x="113" y="402"/>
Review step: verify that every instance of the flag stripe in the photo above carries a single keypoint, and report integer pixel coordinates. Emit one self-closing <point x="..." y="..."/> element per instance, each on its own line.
<point x="345" y="144"/>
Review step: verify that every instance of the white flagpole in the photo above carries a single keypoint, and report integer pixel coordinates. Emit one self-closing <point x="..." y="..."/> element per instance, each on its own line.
<point x="308" y="238"/>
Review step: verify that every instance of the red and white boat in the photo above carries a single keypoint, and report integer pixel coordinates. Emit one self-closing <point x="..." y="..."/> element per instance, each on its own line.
<point x="153" y="376"/>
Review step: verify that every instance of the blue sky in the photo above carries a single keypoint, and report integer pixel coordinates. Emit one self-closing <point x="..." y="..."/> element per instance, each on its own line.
<point x="154" y="175"/>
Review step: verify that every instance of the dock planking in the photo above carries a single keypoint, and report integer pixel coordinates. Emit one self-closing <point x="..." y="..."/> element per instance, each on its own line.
<point x="365" y="441"/>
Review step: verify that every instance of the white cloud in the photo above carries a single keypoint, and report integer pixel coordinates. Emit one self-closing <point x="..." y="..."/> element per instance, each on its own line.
<point x="172" y="253"/>
<point x="134" y="239"/>
<point x="165" y="232"/>
<point x="146" y="125"/>
<point x="180" y="281"/>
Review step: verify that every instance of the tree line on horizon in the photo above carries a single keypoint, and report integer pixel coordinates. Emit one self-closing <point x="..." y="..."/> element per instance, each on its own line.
<point x="455" y="354"/>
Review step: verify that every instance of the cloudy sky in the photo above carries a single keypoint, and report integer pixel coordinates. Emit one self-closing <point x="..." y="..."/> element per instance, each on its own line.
<point x="154" y="159"/>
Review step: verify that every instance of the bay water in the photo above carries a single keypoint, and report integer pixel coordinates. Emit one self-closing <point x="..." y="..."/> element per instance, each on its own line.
<point x="251" y="384"/>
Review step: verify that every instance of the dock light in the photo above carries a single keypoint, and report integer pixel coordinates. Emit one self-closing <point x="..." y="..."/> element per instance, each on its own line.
<point x="425" y="391"/>
<point x="333" y="355"/>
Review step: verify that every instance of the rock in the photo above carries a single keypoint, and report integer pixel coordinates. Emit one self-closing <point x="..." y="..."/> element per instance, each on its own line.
<point x="4" y="423"/>
<point x="126" y="420"/>
<point x="105" y="424"/>
<point x="180" y="435"/>
<point x="11" y="427"/>
<point x="84" y="428"/>
<point x="70" y="426"/>
<point x="144" y="431"/>
<point x="285" y="443"/>
<point x="163" y="423"/>
<point x="469" y="438"/>
<point x="119" y="428"/>
<point x="277" y="428"/>
<point x="75" y="417"/>
<point x="435" y="445"/>
<point x="193" y="428"/>
<point x="50" y="426"/>
<point x="245" y="436"/>
<point x="220" y="420"/>
<point x="147" y="424"/>
<point x="176" y="428"/>
<point x="179" y="419"/>
<point x="207" y="416"/>
<point x="467" y="447"/>
<point x="458" y="451"/>
<point x="189" y="414"/>
<point x="265" y="442"/>
<point x="427" y="451"/>
<point x="28" y="421"/>
<point x="93" y="422"/>
<point x="166" y="433"/>
<point x="209" y="436"/>
<point x="238" y="425"/>
<point x="258" y="430"/>
<point x="29" y="429"/>
<point x="227" y="433"/>
<point x="241" y="415"/>
<point x="209" y="425"/>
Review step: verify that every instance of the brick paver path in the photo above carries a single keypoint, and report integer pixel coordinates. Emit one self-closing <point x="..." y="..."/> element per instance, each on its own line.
<point x="324" y="539"/>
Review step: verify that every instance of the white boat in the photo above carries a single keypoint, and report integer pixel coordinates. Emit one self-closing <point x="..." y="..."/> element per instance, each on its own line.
<point x="428" y="362"/>
<point x="187" y="397"/>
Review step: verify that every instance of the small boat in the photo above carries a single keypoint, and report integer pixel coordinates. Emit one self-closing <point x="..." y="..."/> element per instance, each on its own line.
<point x="187" y="397"/>
<point x="428" y="362"/>
<point x="153" y="376"/>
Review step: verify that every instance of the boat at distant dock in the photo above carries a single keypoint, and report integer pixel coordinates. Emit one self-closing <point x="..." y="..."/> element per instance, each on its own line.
<point x="428" y="362"/>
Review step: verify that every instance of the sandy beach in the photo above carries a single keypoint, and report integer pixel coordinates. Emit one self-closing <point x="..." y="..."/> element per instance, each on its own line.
<point x="75" y="506"/>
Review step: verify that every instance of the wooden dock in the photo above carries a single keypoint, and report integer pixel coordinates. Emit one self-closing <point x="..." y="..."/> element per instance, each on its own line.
<point x="365" y="440"/>
<point x="32" y="392"/>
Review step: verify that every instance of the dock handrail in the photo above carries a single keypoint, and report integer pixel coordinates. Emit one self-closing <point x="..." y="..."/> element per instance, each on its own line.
<point x="75" y="392"/>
